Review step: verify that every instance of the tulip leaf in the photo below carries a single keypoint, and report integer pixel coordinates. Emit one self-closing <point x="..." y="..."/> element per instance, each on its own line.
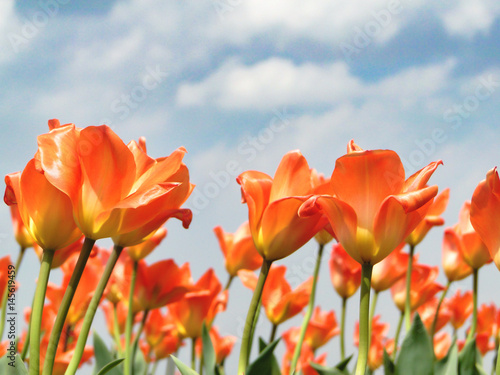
<point x="468" y="359"/>
<point x="416" y="356"/>
<point x="339" y="369"/>
<point x="103" y="357"/>
<point x="110" y="366"/>
<point x="208" y="352"/>
<point x="389" y="367"/>
<point x="12" y="365"/>
<point x="449" y="364"/>
<point x="184" y="369"/>
<point x="263" y="365"/>
<point x="275" y="367"/>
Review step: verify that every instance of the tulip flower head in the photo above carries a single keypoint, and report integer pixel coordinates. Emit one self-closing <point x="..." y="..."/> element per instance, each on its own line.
<point x="373" y="208"/>
<point x="345" y="272"/>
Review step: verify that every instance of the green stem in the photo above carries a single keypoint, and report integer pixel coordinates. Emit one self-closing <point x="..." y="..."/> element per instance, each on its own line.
<point x="28" y="335"/>
<point x="257" y="294"/>
<point x="472" y="331"/>
<point x="254" y="324"/>
<point x="364" y="315"/>
<point x="408" y="290"/>
<point x="55" y="335"/>
<point x="274" y="329"/>
<point x="128" y="363"/>
<point x="138" y="335"/>
<point x="201" y="364"/>
<point x="396" y="337"/>
<point x="36" y="313"/>
<point x="309" y="312"/>
<point x="342" y="329"/>
<point x="91" y="310"/>
<point x="116" y="330"/>
<point x="193" y="353"/>
<point x="372" y="314"/>
<point x="229" y="281"/>
<point x="3" y="307"/>
<point x="436" y="315"/>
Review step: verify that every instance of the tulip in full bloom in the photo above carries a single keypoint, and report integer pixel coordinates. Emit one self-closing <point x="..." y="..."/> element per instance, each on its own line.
<point x="373" y="208"/>
<point x="423" y="287"/>
<point x="238" y="249"/>
<point x="199" y="305"/>
<point x="485" y="213"/>
<point x="345" y="272"/>
<point x="279" y="300"/>
<point x="276" y="228"/>
<point x="115" y="190"/>
<point x="463" y="237"/>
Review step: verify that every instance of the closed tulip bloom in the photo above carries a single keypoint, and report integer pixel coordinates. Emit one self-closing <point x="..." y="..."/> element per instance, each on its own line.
<point x="460" y="305"/>
<point x="279" y="300"/>
<point x="423" y="287"/>
<point x="485" y="213"/>
<point x="198" y="306"/>
<point x="390" y="270"/>
<point x="464" y="238"/>
<point x="21" y="234"/>
<point x="345" y="272"/>
<point x="140" y="251"/>
<point x="373" y="208"/>
<point x="45" y="211"/>
<point x="115" y="190"/>
<point x="431" y="219"/>
<point x="276" y="228"/>
<point x="238" y="249"/>
<point x="454" y="265"/>
<point x="159" y="284"/>
<point x="442" y="344"/>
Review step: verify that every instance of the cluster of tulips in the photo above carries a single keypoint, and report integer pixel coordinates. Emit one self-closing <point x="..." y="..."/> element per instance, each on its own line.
<point x="86" y="184"/>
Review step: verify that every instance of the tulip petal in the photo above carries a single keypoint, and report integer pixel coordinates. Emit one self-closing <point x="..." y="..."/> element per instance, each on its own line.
<point x="420" y="178"/>
<point x="292" y="178"/>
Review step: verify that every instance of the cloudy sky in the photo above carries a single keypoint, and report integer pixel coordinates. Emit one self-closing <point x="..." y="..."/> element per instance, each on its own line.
<point x="239" y="83"/>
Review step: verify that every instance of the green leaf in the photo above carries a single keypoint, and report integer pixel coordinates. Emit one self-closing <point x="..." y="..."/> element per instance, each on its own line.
<point x="110" y="366"/>
<point x="339" y="369"/>
<point x="184" y="369"/>
<point x="416" y="356"/>
<point x="449" y="364"/>
<point x="263" y="365"/>
<point x="103" y="357"/>
<point x="389" y="367"/>
<point x="208" y="352"/>
<point x="10" y="365"/>
<point x="468" y="358"/>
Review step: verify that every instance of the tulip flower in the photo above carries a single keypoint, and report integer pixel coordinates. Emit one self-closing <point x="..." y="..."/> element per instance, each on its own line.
<point x="442" y="344"/>
<point x="484" y="213"/>
<point x="21" y="233"/>
<point x="454" y="265"/>
<point x="345" y="272"/>
<point x="161" y="334"/>
<point x="238" y="249"/>
<point x="197" y="306"/>
<point x="390" y="270"/>
<point x="222" y="345"/>
<point x="431" y="219"/>
<point x="460" y="305"/>
<point x="429" y="311"/>
<point x="276" y="228"/>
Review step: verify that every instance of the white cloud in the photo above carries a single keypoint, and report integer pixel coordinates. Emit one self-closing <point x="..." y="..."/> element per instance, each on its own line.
<point x="469" y="17"/>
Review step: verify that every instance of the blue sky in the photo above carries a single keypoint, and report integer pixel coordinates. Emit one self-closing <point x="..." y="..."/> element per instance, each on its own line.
<point x="419" y="77"/>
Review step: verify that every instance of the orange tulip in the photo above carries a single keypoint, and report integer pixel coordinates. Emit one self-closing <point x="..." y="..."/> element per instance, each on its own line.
<point x="4" y="274"/>
<point x="279" y="300"/>
<point x="423" y="287"/>
<point x="322" y="327"/>
<point x="373" y="209"/>
<point x="454" y="265"/>
<point x="321" y="185"/>
<point x="273" y="204"/>
<point x="140" y="251"/>
<point x="238" y="249"/>
<point x="464" y="238"/>
<point x="442" y="344"/>
<point x="460" y="305"/>
<point x="390" y="270"/>
<point x="345" y="272"/>
<point x="431" y="219"/>
<point x="161" y="334"/>
<point x="45" y="210"/>
<point x="21" y="234"/>
<point x="427" y="312"/>
<point x="487" y="319"/>
<point x="63" y="357"/>
<point x="222" y="345"/>
<point x="115" y="190"/>
<point x="160" y="284"/>
<point x="484" y="213"/>
<point x="198" y="306"/>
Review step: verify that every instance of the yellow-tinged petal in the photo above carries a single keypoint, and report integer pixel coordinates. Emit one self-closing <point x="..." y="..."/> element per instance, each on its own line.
<point x="292" y="178"/>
